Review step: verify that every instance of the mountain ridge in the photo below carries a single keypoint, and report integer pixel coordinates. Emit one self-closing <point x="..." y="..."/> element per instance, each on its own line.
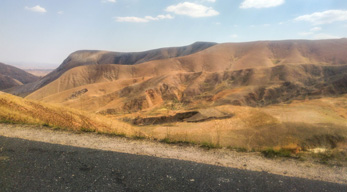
<point x="90" y="57"/>
<point x="264" y="67"/>
<point x="11" y="76"/>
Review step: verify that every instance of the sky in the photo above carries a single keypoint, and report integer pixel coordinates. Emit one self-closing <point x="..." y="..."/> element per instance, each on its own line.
<point x="42" y="33"/>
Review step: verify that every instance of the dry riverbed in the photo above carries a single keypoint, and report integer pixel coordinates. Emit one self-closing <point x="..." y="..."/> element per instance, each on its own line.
<point x="221" y="157"/>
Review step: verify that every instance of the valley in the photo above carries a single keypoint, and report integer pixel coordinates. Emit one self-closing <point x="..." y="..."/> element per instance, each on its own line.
<point x="282" y="95"/>
<point x="201" y="95"/>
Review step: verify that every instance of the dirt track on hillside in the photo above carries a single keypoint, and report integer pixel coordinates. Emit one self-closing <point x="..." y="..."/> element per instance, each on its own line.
<point x="220" y="157"/>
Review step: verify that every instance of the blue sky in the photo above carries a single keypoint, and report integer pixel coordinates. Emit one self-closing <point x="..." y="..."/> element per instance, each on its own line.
<point x="42" y="33"/>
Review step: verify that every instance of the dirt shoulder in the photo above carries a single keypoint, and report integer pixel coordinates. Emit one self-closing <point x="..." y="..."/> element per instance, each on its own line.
<point x="220" y="157"/>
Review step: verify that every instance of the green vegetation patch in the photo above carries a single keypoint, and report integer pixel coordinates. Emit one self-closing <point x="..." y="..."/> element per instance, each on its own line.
<point x="208" y="146"/>
<point x="170" y="141"/>
<point x="271" y="153"/>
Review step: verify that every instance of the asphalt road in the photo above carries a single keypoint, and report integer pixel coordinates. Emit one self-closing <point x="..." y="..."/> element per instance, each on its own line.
<point x="36" y="166"/>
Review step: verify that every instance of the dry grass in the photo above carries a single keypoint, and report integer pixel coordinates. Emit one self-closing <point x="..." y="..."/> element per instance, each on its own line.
<point x="276" y="127"/>
<point x="21" y="111"/>
<point x="249" y="129"/>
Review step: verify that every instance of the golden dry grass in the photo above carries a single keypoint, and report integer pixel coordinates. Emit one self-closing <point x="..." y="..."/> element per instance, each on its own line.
<point x="258" y="128"/>
<point x="277" y="126"/>
<point x="21" y="111"/>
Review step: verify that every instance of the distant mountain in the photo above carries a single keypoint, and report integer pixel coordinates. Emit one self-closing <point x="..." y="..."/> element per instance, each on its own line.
<point x="11" y="76"/>
<point x="88" y="57"/>
<point x="39" y="72"/>
<point x="253" y="74"/>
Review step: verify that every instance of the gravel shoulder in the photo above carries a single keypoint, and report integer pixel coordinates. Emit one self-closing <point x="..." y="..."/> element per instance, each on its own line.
<point x="220" y="157"/>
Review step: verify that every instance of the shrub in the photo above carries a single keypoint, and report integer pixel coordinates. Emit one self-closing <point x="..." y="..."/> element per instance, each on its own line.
<point x="207" y="145"/>
<point x="271" y="153"/>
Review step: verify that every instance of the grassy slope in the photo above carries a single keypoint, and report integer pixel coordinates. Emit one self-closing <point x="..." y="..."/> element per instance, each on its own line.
<point x="21" y="111"/>
<point x="301" y="124"/>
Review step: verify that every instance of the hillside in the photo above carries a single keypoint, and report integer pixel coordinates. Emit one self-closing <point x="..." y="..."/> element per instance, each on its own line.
<point x="251" y="74"/>
<point x="277" y="94"/>
<point x="11" y="76"/>
<point x="301" y="125"/>
<point x="88" y="57"/>
<point x="16" y="110"/>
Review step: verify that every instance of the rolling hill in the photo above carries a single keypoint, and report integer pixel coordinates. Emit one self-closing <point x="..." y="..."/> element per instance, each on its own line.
<point x="17" y="110"/>
<point x="88" y="57"/>
<point x="255" y="95"/>
<point x="253" y="74"/>
<point x="300" y="125"/>
<point x="11" y="76"/>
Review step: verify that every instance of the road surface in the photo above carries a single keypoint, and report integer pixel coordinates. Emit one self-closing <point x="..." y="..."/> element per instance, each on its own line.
<point x="37" y="166"/>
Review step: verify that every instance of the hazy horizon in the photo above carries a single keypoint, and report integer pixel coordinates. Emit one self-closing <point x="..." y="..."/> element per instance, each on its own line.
<point x="41" y="34"/>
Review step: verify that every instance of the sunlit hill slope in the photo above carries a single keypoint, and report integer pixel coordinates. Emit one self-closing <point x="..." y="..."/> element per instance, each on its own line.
<point x="289" y="94"/>
<point x="252" y="74"/>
